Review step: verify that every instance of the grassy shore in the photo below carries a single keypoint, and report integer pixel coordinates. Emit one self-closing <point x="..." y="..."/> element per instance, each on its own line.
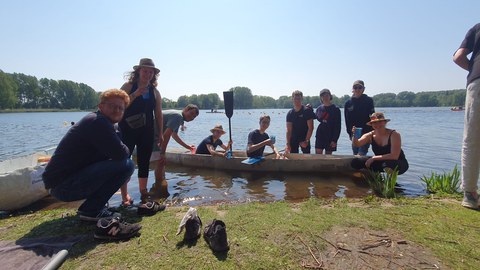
<point x="405" y="233"/>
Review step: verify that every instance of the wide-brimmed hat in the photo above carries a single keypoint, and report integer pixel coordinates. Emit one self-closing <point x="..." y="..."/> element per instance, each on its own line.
<point x="377" y="117"/>
<point x="146" y="62"/>
<point x="218" y="127"/>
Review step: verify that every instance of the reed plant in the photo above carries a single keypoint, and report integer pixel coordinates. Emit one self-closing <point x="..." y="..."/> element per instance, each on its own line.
<point x="446" y="183"/>
<point x="383" y="183"/>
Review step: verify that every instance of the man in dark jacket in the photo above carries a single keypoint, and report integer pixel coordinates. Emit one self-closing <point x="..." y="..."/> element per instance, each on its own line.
<point x="357" y="112"/>
<point x="91" y="162"/>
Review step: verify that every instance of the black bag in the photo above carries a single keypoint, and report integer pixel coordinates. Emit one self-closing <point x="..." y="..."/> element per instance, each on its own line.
<point x="136" y="121"/>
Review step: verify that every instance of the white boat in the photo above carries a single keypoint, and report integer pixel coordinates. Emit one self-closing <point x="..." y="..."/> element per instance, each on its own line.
<point x="295" y="163"/>
<point x="21" y="181"/>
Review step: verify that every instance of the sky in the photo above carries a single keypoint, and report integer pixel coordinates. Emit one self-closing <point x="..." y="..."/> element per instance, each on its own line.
<point x="271" y="47"/>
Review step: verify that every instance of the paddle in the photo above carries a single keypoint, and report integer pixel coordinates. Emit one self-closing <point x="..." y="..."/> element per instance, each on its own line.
<point x="228" y="103"/>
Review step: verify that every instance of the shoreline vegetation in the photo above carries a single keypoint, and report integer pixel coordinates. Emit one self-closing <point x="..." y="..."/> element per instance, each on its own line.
<point x="20" y="91"/>
<point x="430" y="232"/>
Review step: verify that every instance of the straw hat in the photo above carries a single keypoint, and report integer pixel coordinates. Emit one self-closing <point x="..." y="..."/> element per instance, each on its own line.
<point x="219" y="128"/>
<point x="146" y="62"/>
<point x="377" y="117"/>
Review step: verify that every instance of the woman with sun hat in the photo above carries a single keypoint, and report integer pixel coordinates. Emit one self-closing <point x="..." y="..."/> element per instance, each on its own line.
<point x="386" y="145"/>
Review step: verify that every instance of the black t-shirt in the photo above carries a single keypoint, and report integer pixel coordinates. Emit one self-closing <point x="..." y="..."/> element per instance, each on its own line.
<point x="255" y="137"/>
<point x="202" y="147"/>
<point x="299" y="122"/>
<point x="472" y="43"/>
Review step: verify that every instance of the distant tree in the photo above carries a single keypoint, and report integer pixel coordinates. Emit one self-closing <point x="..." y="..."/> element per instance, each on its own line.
<point x="168" y="103"/>
<point x="260" y="102"/>
<point x="8" y="91"/>
<point x="242" y="97"/>
<point x="284" y="102"/>
<point x="182" y="101"/>
<point x="405" y="99"/>
<point x="425" y="99"/>
<point x="385" y="100"/>
<point x="28" y="90"/>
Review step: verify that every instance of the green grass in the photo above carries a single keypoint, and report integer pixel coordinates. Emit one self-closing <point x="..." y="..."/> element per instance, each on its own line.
<point x="382" y="183"/>
<point x="445" y="183"/>
<point x="262" y="235"/>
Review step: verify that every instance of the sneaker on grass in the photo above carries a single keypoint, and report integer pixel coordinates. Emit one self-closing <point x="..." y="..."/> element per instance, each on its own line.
<point x="115" y="229"/>
<point x="470" y="200"/>
<point x="104" y="213"/>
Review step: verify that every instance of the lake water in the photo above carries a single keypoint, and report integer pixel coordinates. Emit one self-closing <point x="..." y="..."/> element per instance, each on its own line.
<point x="431" y="139"/>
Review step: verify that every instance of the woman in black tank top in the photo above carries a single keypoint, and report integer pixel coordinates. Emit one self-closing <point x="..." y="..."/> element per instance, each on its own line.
<point x="386" y="145"/>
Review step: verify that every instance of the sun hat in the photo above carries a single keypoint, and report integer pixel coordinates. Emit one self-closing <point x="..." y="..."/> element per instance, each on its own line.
<point x="146" y="62"/>
<point x="218" y="127"/>
<point x="377" y="117"/>
<point x="359" y="82"/>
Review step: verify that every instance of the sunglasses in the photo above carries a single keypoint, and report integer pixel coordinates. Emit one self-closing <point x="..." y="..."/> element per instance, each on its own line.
<point x="357" y="87"/>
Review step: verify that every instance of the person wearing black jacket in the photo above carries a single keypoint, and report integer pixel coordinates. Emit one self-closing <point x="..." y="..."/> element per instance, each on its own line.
<point x="357" y="112"/>
<point x="91" y="162"/>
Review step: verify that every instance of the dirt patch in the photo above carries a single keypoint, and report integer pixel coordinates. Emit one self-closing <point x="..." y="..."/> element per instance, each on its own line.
<point x="360" y="248"/>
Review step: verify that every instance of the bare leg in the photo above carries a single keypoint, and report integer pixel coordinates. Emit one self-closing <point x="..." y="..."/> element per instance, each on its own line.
<point x="125" y="196"/>
<point x="319" y="151"/>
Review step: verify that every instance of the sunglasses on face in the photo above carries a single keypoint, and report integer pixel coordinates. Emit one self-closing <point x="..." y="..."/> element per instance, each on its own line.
<point x="357" y="87"/>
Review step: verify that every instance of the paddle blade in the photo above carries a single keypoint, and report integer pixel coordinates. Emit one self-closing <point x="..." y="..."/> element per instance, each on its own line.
<point x="228" y="102"/>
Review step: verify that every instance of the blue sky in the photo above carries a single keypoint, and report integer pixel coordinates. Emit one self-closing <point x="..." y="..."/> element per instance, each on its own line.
<point x="271" y="47"/>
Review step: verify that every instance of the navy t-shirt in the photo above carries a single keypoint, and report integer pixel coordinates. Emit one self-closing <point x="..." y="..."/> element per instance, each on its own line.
<point x="299" y="122"/>
<point x="255" y="137"/>
<point x="472" y="43"/>
<point x="202" y="147"/>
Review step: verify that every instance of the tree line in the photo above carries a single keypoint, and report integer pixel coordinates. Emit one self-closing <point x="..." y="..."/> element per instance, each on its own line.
<point x="20" y="91"/>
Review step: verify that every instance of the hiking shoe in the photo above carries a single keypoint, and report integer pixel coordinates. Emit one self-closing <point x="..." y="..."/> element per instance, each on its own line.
<point x="115" y="229"/>
<point x="150" y="208"/>
<point x="470" y="200"/>
<point x="193" y="228"/>
<point x="192" y="224"/>
<point x="215" y="234"/>
<point x="104" y="213"/>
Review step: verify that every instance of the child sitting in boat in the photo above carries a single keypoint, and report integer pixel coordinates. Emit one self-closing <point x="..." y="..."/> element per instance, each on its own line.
<point x="209" y="144"/>
<point x="258" y="139"/>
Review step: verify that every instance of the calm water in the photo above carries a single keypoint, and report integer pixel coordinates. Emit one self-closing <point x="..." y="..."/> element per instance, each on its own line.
<point x="431" y="139"/>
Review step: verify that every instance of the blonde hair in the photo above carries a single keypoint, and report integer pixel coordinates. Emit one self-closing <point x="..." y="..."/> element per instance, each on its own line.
<point x="114" y="93"/>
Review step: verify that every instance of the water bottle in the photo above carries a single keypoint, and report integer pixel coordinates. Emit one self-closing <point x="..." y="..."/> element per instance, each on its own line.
<point x="229" y="154"/>
<point x="272" y="139"/>
<point x="146" y="96"/>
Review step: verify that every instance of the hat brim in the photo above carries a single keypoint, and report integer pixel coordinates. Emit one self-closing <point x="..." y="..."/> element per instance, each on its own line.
<point x="378" y="120"/>
<point x="221" y="130"/>
<point x="154" y="68"/>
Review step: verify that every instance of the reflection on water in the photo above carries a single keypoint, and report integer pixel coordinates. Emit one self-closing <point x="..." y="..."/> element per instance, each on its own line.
<point x="191" y="186"/>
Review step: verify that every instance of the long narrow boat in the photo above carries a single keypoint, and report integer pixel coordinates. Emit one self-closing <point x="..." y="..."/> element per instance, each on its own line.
<point x="21" y="181"/>
<point x="297" y="163"/>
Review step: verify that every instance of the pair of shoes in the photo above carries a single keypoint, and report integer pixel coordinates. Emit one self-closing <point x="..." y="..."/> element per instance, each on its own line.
<point x="192" y="224"/>
<point x="115" y="229"/>
<point x="150" y="208"/>
<point x="215" y="234"/>
<point x="104" y="213"/>
<point x="470" y="200"/>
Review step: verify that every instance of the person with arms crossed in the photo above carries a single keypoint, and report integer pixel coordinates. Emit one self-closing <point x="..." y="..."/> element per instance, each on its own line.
<point x="329" y="127"/>
<point x="357" y="112"/>
<point x="471" y="130"/>
<point x="299" y="125"/>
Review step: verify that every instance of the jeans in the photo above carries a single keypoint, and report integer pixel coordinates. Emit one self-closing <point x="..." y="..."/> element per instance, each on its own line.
<point x="362" y="150"/>
<point x="95" y="183"/>
<point x="471" y="138"/>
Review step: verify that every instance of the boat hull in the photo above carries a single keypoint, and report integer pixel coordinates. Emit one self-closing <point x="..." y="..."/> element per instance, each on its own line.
<point x="294" y="163"/>
<point x="21" y="181"/>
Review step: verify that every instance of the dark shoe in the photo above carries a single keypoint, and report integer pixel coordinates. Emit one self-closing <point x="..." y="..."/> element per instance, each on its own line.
<point x="127" y="204"/>
<point x="215" y="234"/>
<point x="193" y="228"/>
<point x="104" y="213"/>
<point x="115" y="229"/>
<point x="150" y="208"/>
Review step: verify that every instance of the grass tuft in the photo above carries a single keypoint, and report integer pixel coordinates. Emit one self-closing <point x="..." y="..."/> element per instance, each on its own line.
<point x="383" y="183"/>
<point x="446" y="183"/>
